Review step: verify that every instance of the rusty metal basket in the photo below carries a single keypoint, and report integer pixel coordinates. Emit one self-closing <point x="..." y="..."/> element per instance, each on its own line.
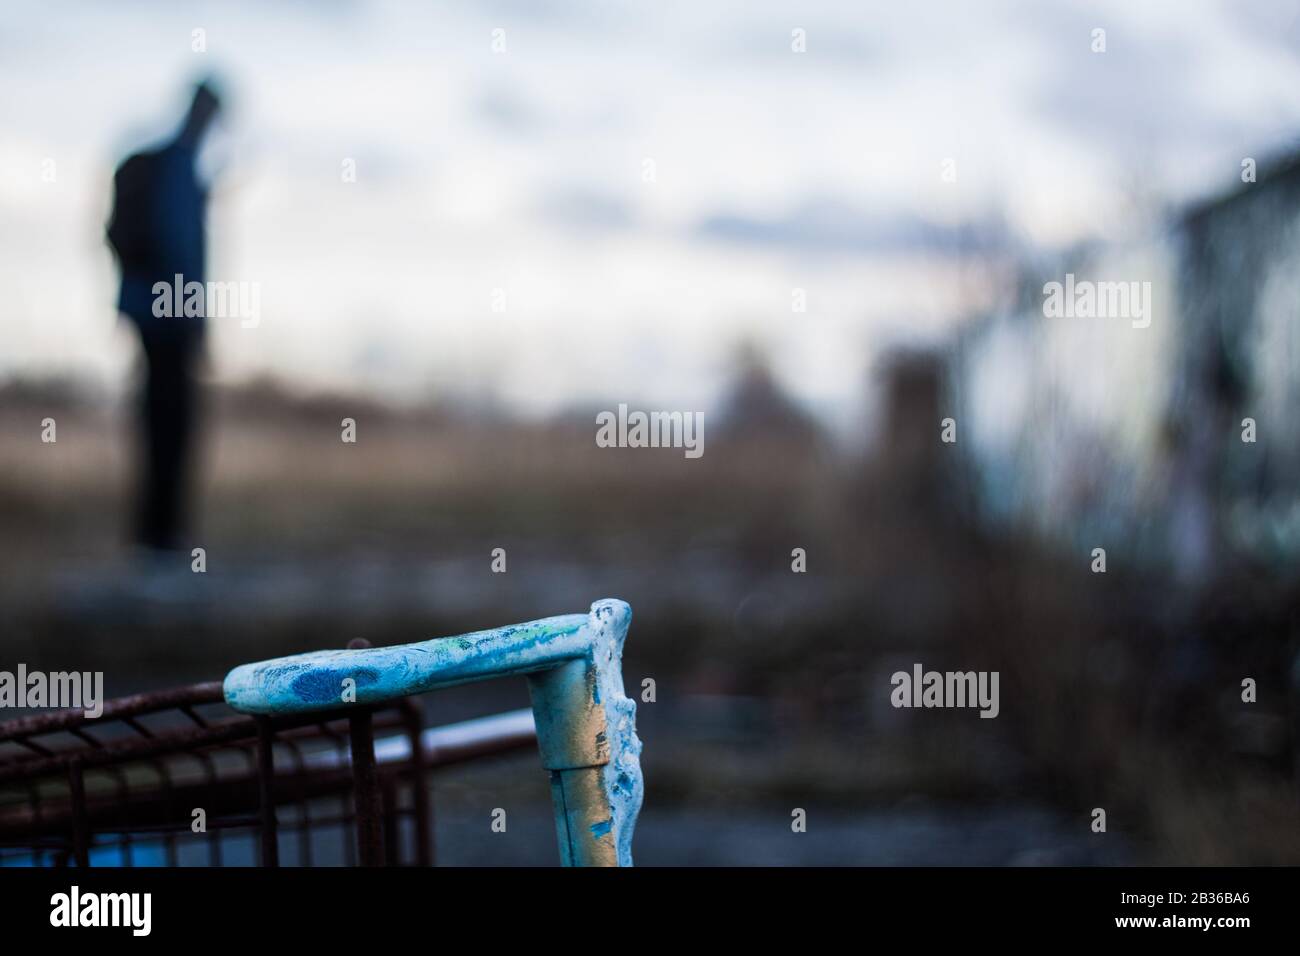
<point x="275" y="765"/>
<point x="123" y="789"/>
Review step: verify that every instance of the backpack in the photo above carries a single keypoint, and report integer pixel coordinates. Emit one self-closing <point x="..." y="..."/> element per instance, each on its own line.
<point x="130" y="229"/>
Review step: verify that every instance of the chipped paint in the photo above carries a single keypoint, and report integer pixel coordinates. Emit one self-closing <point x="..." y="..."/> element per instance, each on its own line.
<point x="586" y="724"/>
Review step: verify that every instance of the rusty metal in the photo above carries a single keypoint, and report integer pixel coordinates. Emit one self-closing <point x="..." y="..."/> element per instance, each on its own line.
<point x="421" y="798"/>
<point x="365" y="789"/>
<point x="80" y="831"/>
<point x="266" y="792"/>
<point x="122" y="789"/>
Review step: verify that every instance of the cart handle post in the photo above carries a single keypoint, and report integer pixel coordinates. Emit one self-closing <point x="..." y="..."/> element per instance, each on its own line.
<point x="586" y="725"/>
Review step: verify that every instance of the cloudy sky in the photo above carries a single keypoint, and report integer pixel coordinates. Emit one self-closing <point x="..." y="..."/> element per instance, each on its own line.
<point x="644" y="186"/>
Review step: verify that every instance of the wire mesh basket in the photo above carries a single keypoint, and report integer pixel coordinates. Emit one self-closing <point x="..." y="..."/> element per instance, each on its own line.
<point x="176" y="777"/>
<point x="325" y="754"/>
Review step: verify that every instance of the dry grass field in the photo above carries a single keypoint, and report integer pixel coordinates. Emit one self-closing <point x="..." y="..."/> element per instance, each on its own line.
<point x="772" y="687"/>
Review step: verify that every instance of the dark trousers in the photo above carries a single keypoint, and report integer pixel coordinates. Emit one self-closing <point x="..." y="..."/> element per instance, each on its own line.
<point x="168" y="410"/>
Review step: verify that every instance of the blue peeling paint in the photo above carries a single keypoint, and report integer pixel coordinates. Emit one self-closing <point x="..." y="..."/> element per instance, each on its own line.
<point x="545" y="649"/>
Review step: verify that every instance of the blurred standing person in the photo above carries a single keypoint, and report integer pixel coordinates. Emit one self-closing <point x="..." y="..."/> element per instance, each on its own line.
<point x="157" y="231"/>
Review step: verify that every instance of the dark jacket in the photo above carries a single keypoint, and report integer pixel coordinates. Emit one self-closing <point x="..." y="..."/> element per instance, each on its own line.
<point x="176" y="226"/>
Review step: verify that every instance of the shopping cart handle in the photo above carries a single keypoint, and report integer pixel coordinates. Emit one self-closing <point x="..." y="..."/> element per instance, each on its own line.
<point x="586" y="725"/>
